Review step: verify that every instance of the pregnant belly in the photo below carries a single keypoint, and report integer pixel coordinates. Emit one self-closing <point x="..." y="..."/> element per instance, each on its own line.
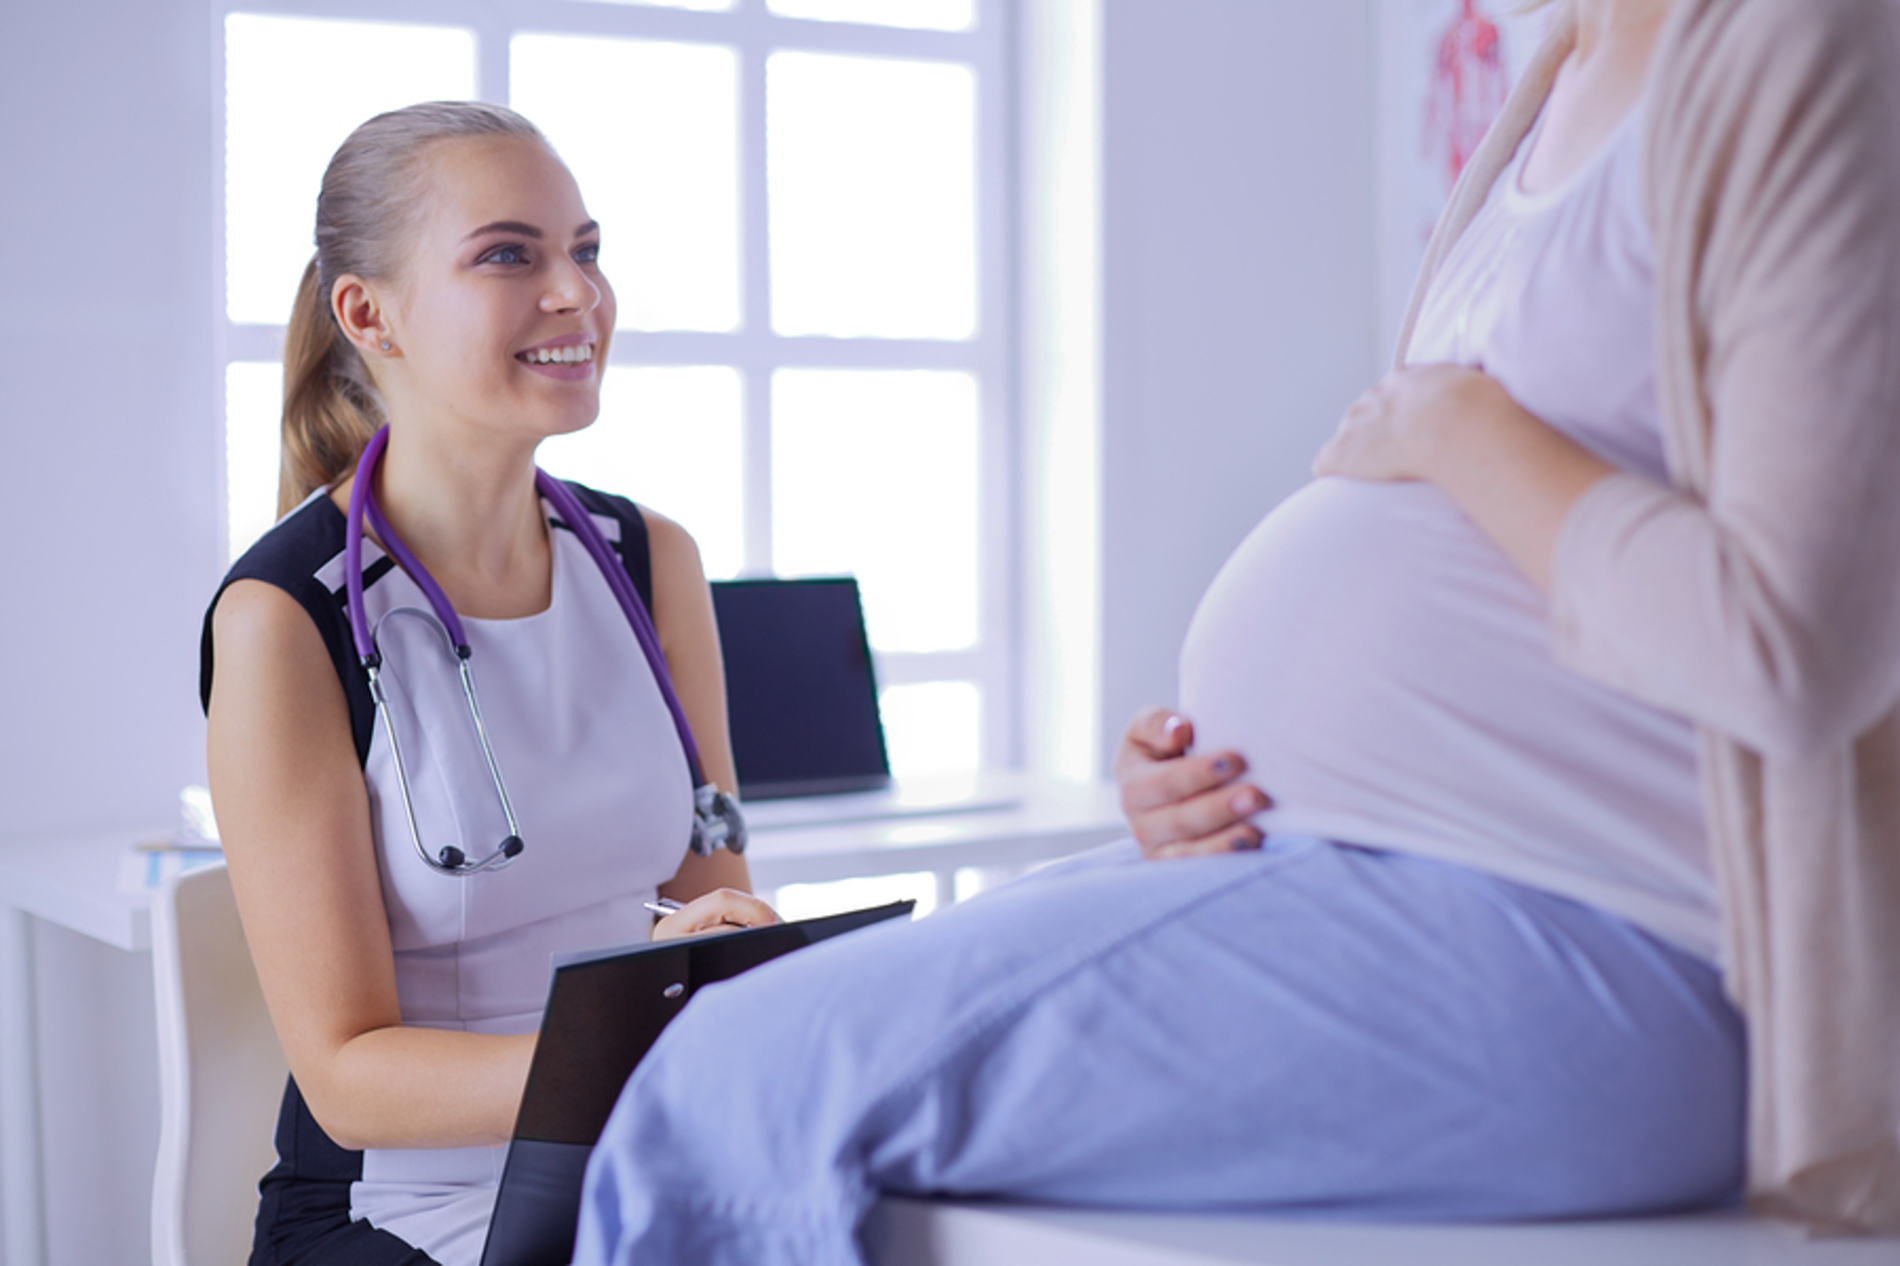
<point x="1386" y="672"/>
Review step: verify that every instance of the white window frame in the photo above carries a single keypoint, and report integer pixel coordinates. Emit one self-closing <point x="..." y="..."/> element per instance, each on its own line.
<point x="753" y="349"/>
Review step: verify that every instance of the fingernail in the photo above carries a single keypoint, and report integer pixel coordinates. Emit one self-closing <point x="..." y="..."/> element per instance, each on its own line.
<point x="1247" y="801"/>
<point x="1173" y="723"/>
<point x="1247" y="841"/>
<point x="1223" y="766"/>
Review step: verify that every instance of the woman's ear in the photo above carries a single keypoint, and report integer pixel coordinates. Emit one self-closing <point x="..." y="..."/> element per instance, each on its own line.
<point x="361" y="316"/>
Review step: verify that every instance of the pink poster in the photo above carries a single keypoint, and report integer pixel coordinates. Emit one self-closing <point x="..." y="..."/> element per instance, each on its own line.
<point x="1443" y="70"/>
<point x="1467" y="88"/>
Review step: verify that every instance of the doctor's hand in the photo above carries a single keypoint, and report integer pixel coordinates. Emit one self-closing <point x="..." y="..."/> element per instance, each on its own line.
<point x="721" y="910"/>
<point x="1178" y="804"/>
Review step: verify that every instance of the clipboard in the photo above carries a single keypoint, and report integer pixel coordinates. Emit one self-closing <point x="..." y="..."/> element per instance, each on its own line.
<point x="605" y="1010"/>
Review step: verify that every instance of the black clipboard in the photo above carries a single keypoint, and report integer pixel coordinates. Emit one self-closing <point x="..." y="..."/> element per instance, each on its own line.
<point x="605" y="1010"/>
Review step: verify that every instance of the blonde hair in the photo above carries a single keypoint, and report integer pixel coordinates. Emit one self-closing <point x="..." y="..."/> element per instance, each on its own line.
<point x="366" y="214"/>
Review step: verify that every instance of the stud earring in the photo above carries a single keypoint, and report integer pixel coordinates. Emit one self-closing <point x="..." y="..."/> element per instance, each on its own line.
<point x="385" y="345"/>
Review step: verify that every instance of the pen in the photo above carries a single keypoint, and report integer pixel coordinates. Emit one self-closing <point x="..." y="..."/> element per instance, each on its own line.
<point x="663" y="907"/>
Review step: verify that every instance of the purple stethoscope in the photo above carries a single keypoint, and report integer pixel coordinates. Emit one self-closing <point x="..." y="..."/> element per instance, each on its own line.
<point x="717" y="822"/>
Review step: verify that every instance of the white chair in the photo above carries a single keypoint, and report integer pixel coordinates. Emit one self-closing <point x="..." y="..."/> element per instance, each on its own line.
<point x="220" y="1074"/>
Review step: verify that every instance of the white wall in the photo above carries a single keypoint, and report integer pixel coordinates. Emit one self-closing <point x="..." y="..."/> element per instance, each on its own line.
<point x="110" y="523"/>
<point x="1237" y="292"/>
<point x="1237" y="222"/>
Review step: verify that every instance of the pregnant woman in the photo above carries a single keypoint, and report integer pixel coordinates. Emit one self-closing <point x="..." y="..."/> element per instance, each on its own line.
<point x="1537" y="854"/>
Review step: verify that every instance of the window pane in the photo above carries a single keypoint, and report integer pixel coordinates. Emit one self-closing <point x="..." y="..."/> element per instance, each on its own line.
<point x="874" y="473"/>
<point x="294" y="88"/>
<point x="871" y="177"/>
<point x="253" y="418"/>
<point x="931" y="728"/>
<point x="813" y="901"/>
<point x="936" y="15"/>
<point x="667" y="436"/>
<point x="650" y="131"/>
<point x="705" y="6"/>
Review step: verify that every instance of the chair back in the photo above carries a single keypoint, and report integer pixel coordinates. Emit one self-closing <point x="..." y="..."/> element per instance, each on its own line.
<point x="221" y="1075"/>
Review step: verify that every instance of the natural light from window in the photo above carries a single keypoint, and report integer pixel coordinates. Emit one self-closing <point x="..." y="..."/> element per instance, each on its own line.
<point x="874" y="474"/>
<point x="931" y="728"/>
<point x="253" y="405"/>
<point x="871" y="168"/>
<point x="704" y="6"/>
<point x="669" y="437"/>
<point x="936" y="15"/>
<point x="650" y="131"/>
<point x="294" y="88"/>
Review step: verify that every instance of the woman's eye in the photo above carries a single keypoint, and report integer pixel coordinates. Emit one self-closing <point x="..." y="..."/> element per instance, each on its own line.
<point x="588" y="254"/>
<point x="506" y="255"/>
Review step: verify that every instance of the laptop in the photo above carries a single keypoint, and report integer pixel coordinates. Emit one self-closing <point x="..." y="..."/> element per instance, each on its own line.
<point x="605" y="1010"/>
<point x="802" y="702"/>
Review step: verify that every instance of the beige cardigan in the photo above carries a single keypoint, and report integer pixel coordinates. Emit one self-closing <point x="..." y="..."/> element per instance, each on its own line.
<point x="1760" y="595"/>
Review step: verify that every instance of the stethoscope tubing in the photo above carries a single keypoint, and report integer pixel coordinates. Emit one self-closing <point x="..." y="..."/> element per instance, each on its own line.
<point x="712" y="807"/>
<point x="575" y="515"/>
<point x="452" y="862"/>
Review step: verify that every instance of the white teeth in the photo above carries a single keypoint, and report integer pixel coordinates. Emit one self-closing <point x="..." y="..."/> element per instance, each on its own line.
<point x="577" y="354"/>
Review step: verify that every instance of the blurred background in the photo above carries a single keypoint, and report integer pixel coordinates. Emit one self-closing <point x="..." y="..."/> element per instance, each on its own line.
<point x="1023" y="311"/>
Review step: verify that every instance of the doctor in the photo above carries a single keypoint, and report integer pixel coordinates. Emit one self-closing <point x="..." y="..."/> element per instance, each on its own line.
<point x="444" y="741"/>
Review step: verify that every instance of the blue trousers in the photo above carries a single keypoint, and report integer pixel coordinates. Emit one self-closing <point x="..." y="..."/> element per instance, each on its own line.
<point x="1314" y="1028"/>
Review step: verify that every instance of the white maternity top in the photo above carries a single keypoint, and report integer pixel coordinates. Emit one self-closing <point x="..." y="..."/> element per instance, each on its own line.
<point x="1386" y="670"/>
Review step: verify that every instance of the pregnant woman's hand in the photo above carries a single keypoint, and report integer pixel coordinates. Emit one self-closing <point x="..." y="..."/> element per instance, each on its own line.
<point x="1513" y="475"/>
<point x="721" y="910"/>
<point x="1179" y="804"/>
<point x="1400" y="427"/>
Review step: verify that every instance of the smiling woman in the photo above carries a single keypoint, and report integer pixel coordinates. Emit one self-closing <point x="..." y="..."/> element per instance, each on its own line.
<point x="455" y="316"/>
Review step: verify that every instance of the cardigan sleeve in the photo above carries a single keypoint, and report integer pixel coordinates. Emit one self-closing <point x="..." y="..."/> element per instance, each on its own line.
<point x="1762" y="599"/>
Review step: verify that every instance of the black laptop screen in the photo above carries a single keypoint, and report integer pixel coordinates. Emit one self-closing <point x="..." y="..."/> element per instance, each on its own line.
<point x="800" y="693"/>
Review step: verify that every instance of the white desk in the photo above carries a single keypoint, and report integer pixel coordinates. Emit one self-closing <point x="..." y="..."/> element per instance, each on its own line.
<point x="74" y="882"/>
<point x="1051" y="819"/>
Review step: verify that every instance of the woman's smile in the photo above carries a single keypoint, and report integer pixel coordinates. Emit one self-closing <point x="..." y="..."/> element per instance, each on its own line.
<point x="569" y="358"/>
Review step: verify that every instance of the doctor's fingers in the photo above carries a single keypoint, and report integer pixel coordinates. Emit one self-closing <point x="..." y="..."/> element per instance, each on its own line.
<point x="721" y="910"/>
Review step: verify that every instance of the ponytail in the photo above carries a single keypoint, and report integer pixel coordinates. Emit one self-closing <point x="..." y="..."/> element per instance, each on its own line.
<point x="331" y="408"/>
<point x="366" y="214"/>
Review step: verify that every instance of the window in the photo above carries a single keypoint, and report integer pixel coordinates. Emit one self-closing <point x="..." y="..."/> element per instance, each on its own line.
<point x="802" y="204"/>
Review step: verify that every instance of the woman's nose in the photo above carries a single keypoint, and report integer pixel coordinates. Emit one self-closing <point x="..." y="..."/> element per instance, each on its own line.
<point x="570" y="290"/>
